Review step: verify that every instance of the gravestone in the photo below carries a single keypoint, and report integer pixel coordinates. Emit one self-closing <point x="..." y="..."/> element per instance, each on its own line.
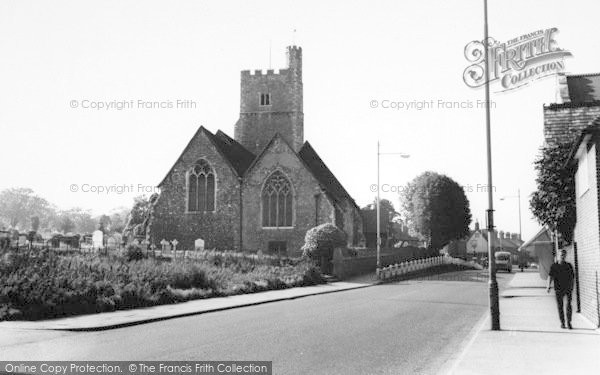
<point x="165" y="246"/>
<point x="97" y="239"/>
<point x="112" y="243"/>
<point x="174" y="243"/>
<point x="199" y="244"/>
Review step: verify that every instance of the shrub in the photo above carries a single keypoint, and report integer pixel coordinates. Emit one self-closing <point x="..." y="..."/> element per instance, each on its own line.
<point x="47" y="284"/>
<point x="134" y="253"/>
<point x="324" y="237"/>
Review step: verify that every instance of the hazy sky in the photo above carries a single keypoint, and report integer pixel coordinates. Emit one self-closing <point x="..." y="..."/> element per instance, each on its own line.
<point x="55" y="54"/>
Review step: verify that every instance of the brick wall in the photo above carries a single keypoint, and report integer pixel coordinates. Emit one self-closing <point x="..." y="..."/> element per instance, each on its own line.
<point x="587" y="238"/>
<point x="219" y="229"/>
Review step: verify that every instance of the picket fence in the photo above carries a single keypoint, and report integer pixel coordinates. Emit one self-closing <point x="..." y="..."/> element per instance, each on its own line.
<point x="404" y="268"/>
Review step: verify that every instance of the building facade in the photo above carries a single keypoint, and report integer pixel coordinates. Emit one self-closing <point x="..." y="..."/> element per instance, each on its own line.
<point x="576" y="119"/>
<point x="262" y="189"/>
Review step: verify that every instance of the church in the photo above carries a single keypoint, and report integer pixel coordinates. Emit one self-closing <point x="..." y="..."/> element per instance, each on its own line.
<point x="263" y="188"/>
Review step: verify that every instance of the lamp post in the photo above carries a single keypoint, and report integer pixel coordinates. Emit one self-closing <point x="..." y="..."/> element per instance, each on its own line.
<point x="379" y="153"/>
<point x="518" y="196"/>
<point x="493" y="283"/>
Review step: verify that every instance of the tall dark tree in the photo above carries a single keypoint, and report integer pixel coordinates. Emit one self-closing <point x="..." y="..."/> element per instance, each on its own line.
<point x="436" y="208"/>
<point x="553" y="204"/>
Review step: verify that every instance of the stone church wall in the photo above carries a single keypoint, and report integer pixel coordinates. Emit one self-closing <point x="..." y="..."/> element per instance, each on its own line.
<point x="219" y="229"/>
<point x="280" y="157"/>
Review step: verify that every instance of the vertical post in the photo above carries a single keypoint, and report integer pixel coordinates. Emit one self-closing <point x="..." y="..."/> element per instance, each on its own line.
<point x="378" y="223"/>
<point x="576" y="260"/>
<point x="519" y="197"/>
<point x="493" y="283"/>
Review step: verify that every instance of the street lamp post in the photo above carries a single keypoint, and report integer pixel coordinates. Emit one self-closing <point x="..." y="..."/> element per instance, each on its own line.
<point x="379" y="153"/>
<point x="493" y="283"/>
<point x="518" y="196"/>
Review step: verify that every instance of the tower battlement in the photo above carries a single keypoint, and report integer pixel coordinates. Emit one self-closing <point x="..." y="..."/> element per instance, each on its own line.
<point x="262" y="72"/>
<point x="267" y="93"/>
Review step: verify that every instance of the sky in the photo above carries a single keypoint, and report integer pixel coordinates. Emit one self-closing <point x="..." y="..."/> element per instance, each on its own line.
<point x="61" y="56"/>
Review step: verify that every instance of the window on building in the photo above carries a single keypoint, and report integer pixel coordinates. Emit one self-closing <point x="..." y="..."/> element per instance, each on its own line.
<point x="265" y="99"/>
<point x="582" y="174"/>
<point x="201" y="187"/>
<point x="277" y="201"/>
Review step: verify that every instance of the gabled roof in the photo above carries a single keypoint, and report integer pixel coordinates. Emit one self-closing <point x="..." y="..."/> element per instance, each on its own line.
<point x="239" y="157"/>
<point x="234" y="153"/>
<point x="542" y="236"/>
<point x="315" y="165"/>
<point x="323" y="174"/>
<point x="584" y="88"/>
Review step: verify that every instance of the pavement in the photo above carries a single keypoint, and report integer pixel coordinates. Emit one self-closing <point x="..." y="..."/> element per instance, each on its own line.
<point x="530" y="340"/>
<point x="125" y="318"/>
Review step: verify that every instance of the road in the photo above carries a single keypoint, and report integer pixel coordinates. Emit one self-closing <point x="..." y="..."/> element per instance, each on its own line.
<point x="408" y="327"/>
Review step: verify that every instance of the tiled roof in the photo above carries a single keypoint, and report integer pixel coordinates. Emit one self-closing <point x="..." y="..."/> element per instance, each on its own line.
<point x="584" y="88"/>
<point x="237" y="155"/>
<point x="322" y="173"/>
<point x="543" y="236"/>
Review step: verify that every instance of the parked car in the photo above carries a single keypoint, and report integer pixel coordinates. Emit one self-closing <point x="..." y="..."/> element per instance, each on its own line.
<point x="503" y="261"/>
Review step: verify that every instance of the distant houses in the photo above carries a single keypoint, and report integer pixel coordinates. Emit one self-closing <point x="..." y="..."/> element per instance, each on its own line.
<point x="393" y="233"/>
<point x="477" y="243"/>
<point x="540" y="247"/>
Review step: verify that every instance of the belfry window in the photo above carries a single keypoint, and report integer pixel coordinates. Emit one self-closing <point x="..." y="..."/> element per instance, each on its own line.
<point x="277" y="201"/>
<point x="201" y="187"/>
<point x="265" y="99"/>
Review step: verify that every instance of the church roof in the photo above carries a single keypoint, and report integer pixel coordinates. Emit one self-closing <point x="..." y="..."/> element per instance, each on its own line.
<point x="323" y="174"/>
<point x="237" y="155"/>
<point x="234" y="153"/>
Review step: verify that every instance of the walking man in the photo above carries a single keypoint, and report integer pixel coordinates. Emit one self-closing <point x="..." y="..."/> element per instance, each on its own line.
<point x="561" y="273"/>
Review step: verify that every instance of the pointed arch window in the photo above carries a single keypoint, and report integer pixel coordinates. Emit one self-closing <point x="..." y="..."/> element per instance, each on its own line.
<point x="277" y="201"/>
<point x="201" y="187"/>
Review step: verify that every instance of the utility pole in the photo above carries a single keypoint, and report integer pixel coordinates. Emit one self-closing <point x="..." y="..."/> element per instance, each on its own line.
<point x="493" y="283"/>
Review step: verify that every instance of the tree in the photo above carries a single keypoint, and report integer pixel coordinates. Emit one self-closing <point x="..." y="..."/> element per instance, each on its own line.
<point x="118" y="219"/>
<point x="104" y="223"/>
<point x="66" y="224"/>
<point x="436" y="208"/>
<point x="35" y="223"/>
<point x="553" y="204"/>
<point x="323" y="239"/>
<point x="18" y="205"/>
<point x="140" y="215"/>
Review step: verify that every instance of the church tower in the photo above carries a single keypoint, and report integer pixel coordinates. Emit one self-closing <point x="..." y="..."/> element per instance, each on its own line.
<point x="272" y="103"/>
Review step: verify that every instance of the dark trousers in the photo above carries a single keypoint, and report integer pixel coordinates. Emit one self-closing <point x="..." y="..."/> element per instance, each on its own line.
<point x="560" y="295"/>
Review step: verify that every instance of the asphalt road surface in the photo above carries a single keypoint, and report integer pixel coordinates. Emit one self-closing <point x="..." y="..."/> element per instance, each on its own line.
<point x="408" y="327"/>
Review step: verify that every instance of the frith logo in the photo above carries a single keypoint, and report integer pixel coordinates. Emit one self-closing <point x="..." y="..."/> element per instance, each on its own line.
<point x="517" y="62"/>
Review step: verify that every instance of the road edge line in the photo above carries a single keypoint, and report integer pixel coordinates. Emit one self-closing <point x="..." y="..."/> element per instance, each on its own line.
<point x="466" y="344"/>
